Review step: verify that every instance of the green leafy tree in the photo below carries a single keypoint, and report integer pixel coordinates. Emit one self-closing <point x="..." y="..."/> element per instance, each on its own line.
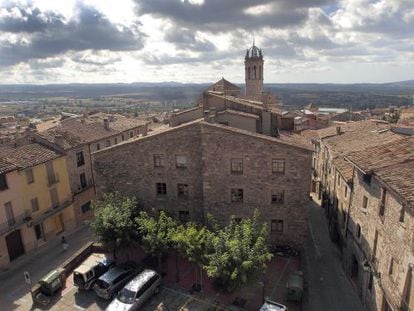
<point x="113" y="223"/>
<point x="194" y="244"/>
<point x="155" y="233"/>
<point x="240" y="252"/>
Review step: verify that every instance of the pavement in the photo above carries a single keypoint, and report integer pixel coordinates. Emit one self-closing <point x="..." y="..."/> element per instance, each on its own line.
<point x="328" y="286"/>
<point x="14" y="292"/>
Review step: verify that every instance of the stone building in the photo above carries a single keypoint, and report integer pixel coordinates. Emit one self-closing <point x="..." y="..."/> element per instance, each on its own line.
<point x="332" y="174"/>
<point x="259" y="110"/>
<point x="253" y="63"/>
<point x="78" y="138"/>
<point x="379" y="255"/>
<point x="204" y="167"/>
<point x="35" y="197"/>
<point x="362" y="172"/>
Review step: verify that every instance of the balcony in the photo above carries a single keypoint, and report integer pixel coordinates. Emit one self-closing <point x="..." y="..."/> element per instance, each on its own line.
<point x="53" y="211"/>
<point x="14" y="223"/>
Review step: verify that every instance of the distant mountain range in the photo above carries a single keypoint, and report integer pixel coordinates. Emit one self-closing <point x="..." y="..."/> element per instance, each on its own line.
<point x="290" y="94"/>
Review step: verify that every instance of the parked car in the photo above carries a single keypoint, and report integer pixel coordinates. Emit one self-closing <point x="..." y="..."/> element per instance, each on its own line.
<point x="270" y="305"/>
<point x="137" y="291"/>
<point x="109" y="283"/>
<point x="90" y="270"/>
<point x="295" y="286"/>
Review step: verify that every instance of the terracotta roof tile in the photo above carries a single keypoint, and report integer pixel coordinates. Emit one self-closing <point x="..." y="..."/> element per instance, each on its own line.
<point x="76" y="132"/>
<point x="27" y="155"/>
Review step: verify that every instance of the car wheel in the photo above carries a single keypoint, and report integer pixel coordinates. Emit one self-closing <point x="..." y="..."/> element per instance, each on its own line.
<point x="157" y="290"/>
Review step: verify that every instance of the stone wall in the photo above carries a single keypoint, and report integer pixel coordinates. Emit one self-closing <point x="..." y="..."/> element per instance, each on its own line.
<point x="394" y="241"/>
<point x="186" y="116"/>
<point x="129" y="168"/>
<point x="209" y="148"/>
<point x="257" y="180"/>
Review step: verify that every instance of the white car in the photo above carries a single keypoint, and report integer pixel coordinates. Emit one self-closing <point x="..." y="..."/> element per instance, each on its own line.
<point x="273" y="306"/>
<point x="136" y="292"/>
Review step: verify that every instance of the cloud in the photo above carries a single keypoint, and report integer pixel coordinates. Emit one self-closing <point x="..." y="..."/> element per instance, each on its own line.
<point x="188" y="40"/>
<point x="46" y="34"/>
<point x="226" y="16"/>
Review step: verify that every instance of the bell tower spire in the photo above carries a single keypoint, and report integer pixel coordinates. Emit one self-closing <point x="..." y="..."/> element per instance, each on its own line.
<point x="253" y="64"/>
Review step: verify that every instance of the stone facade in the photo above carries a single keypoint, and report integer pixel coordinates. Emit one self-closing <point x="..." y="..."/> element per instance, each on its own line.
<point x="221" y="170"/>
<point x="363" y="175"/>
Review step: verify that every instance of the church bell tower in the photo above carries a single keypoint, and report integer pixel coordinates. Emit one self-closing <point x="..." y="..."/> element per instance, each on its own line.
<point x="253" y="63"/>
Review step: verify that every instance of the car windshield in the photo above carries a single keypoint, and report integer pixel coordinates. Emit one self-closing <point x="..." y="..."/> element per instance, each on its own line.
<point x="126" y="296"/>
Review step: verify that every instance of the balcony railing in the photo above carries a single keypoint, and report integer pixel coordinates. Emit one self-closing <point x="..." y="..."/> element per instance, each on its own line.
<point x="14" y="223"/>
<point x="53" y="211"/>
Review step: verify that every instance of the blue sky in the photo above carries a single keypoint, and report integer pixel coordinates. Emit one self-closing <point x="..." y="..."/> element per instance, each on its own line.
<point x="49" y="41"/>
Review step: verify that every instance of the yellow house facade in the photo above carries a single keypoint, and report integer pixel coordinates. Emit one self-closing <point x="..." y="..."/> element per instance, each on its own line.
<point x="37" y="206"/>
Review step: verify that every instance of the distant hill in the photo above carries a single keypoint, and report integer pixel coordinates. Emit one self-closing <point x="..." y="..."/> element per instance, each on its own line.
<point x="291" y="94"/>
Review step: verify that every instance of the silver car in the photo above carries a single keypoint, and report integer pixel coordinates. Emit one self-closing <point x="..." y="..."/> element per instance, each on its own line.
<point x="112" y="281"/>
<point x="137" y="291"/>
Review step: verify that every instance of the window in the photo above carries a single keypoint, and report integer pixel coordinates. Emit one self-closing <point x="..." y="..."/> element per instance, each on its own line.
<point x="54" y="197"/>
<point x="184" y="216"/>
<point x="278" y="198"/>
<point x="9" y="213"/>
<point x="80" y="160"/>
<point x="237" y="195"/>
<point x="237" y="166"/>
<point x="402" y="214"/>
<point x="345" y="191"/>
<point x="375" y="244"/>
<point x="370" y="281"/>
<point x="98" y="146"/>
<point x="382" y="203"/>
<point x="180" y="161"/>
<point x="358" y="231"/>
<point x="158" y="160"/>
<point x="364" y="202"/>
<point x="276" y="225"/>
<point x="108" y="143"/>
<point x="343" y="218"/>
<point x="339" y="179"/>
<point x="278" y="166"/>
<point x="161" y="188"/>
<point x="39" y="231"/>
<point x="115" y="140"/>
<point x="182" y="191"/>
<point x="51" y="176"/>
<point x="393" y="267"/>
<point x="367" y="179"/>
<point x="35" y="204"/>
<point x="122" y="137"/>
<point x="82" y="178"/>
<point x="3" y="182"/>
<point x="86" y="207"/>
<point x="131" y="134"/>
<point x="29" y="176"/>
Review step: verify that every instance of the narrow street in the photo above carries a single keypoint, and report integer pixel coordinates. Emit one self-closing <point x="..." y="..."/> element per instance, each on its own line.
<point x="328" y="286"/>
<point x="14" y="292"/>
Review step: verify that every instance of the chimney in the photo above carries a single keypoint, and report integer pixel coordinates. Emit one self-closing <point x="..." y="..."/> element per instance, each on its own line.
<point x="83" y="121"/>
<point x="145" y="130"/>
<point x="206" y="115"/>
<point x="59" y="140"/>
<point x="338" y="130"/>
<point x="106" y="124"/>
<point x="111" y="118"/>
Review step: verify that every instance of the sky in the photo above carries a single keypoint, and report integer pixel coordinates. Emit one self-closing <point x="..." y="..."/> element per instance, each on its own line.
<point x="195" y="41"/>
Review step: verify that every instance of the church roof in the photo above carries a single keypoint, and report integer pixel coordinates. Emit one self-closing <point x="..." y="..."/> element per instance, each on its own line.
<point x="223" y="85"/>
<point x="254" y="52"/>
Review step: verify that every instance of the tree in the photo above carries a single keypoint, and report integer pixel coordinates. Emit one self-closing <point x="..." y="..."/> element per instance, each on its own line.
<point x="194" y="244"/>
<point x="113" y="223"/>
<point x="155" y="233"/>
<point x="240" y="252"/>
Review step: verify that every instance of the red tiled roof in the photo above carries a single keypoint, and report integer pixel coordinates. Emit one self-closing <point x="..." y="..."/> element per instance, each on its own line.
<point x="27" y="155"/>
